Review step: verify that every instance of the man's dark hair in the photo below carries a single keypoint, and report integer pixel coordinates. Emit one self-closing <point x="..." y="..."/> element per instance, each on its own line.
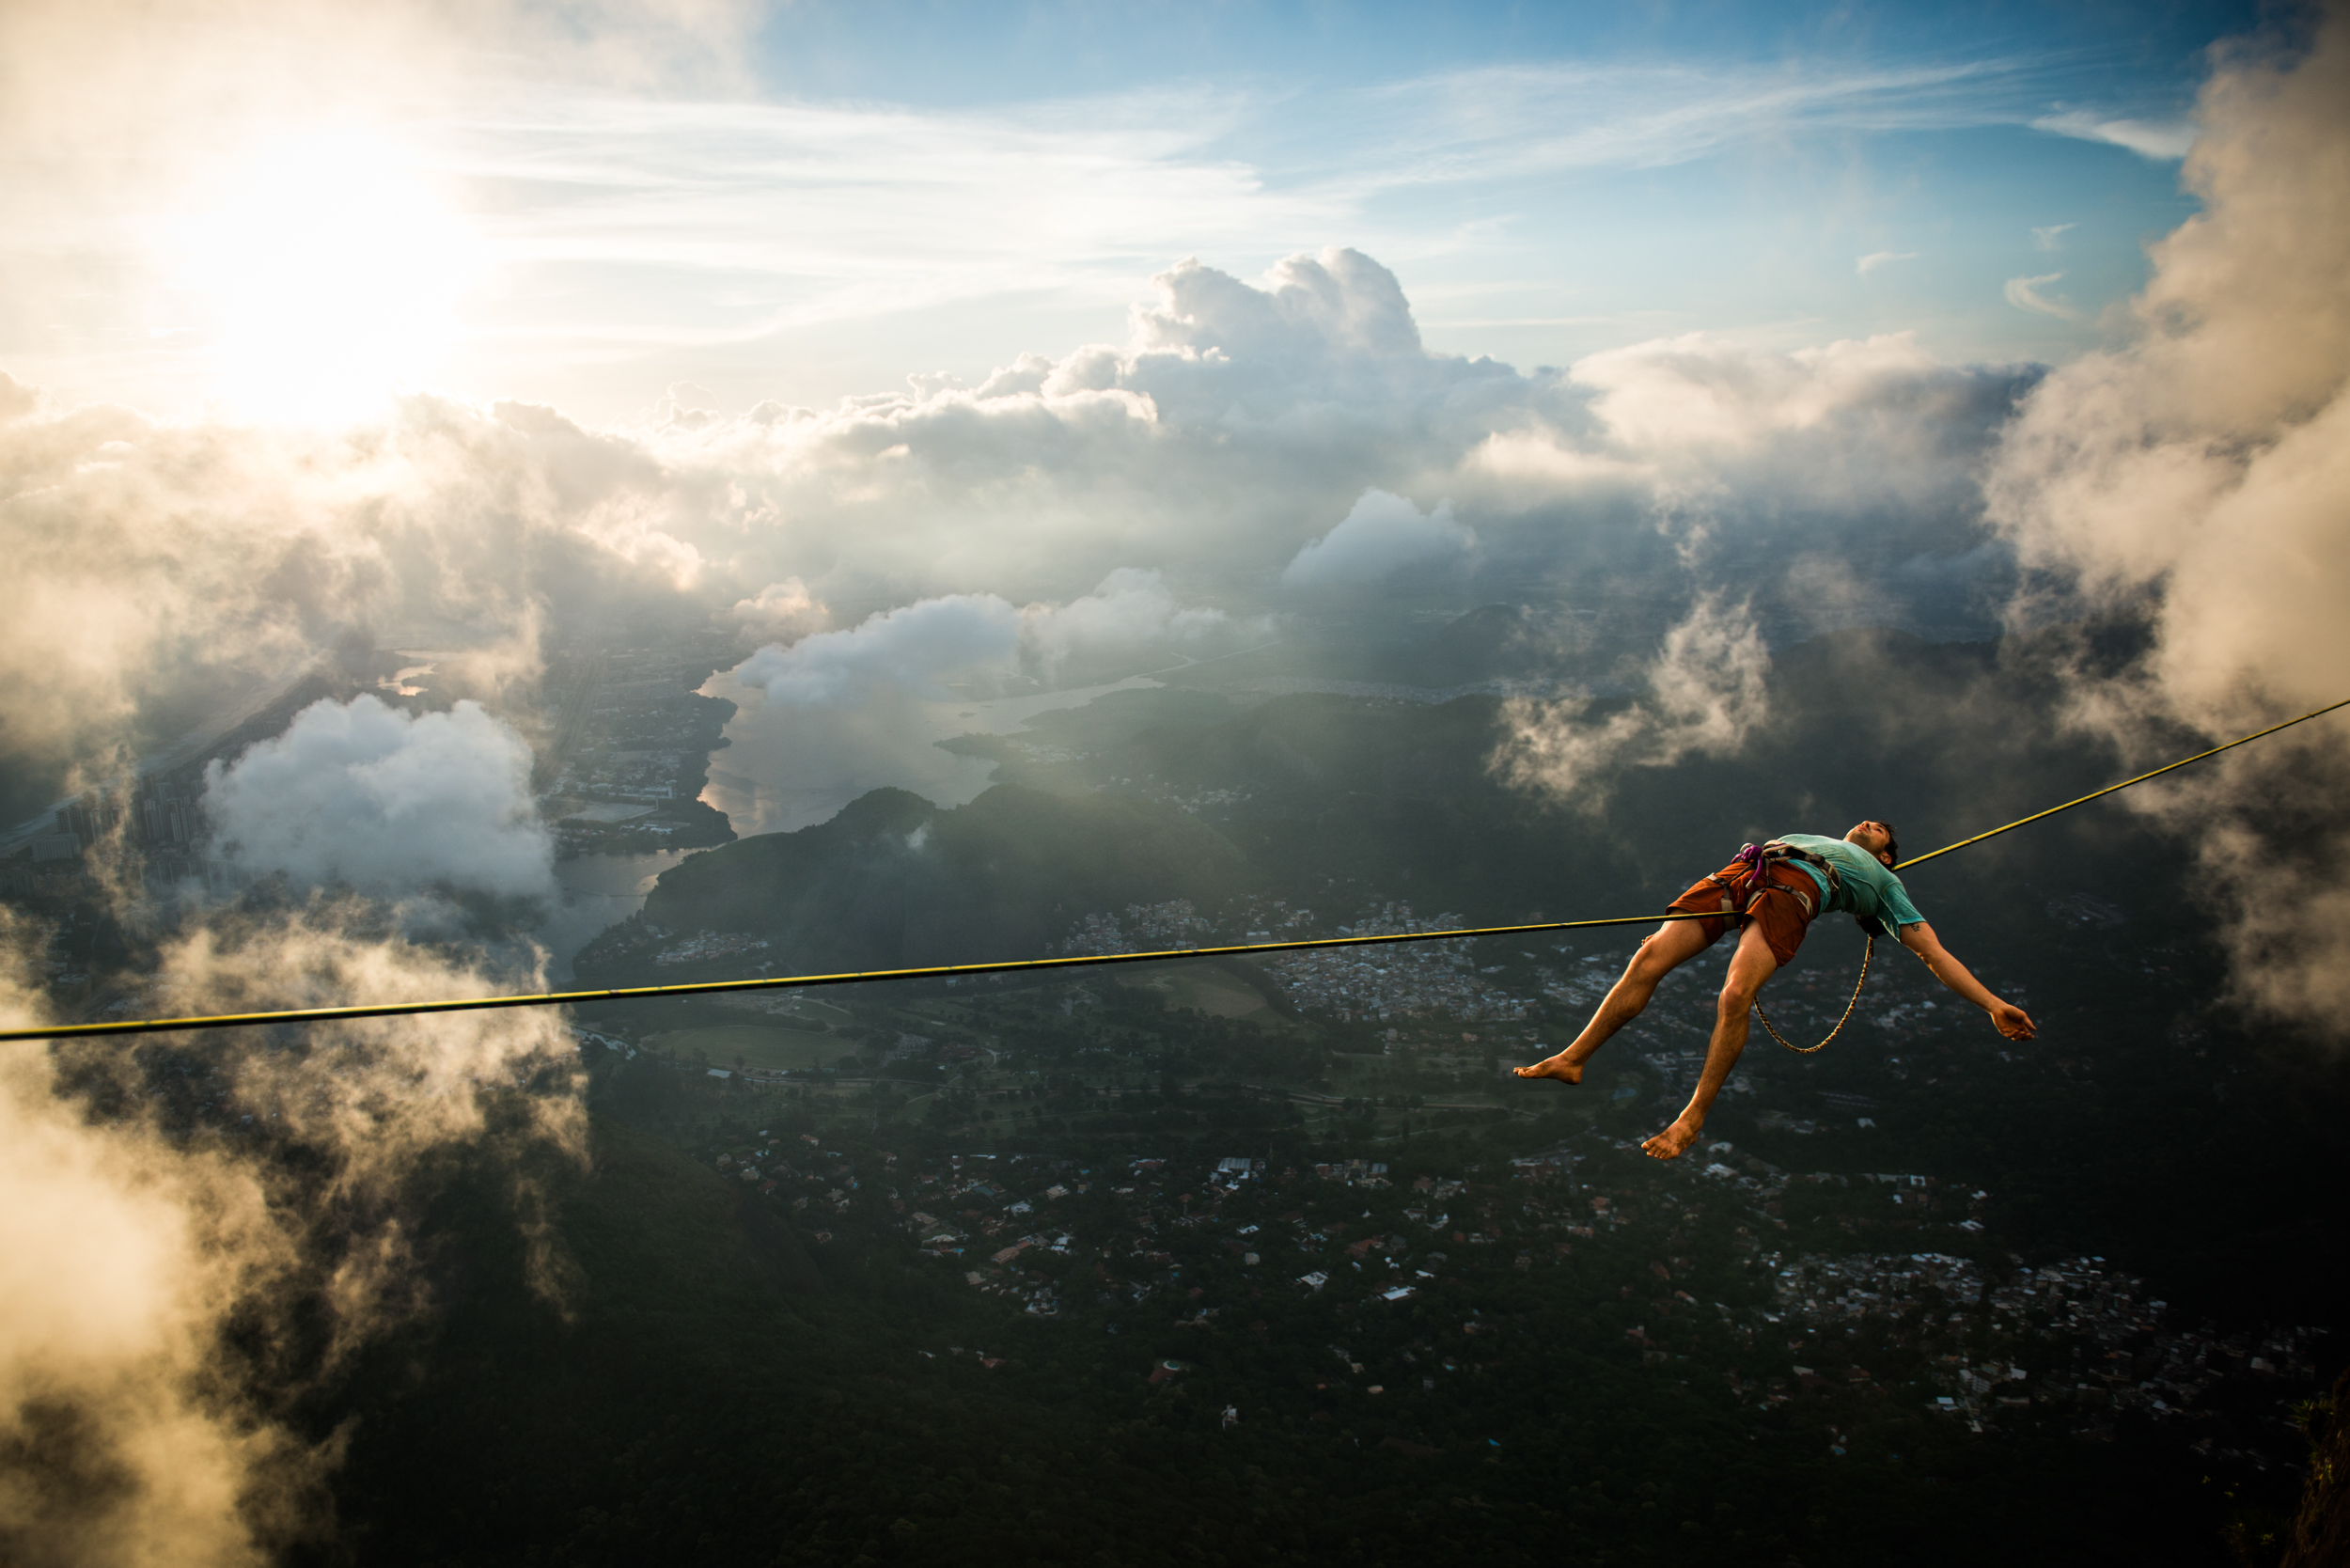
<point x="1892" y="845"/>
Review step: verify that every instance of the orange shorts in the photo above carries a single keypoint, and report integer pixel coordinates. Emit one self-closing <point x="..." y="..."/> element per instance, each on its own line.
<point x="1783" y="907"/>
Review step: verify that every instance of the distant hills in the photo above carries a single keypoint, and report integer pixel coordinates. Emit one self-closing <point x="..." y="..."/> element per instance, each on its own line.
<point x="1335" y="802"/>
<point x="896" y="881"/>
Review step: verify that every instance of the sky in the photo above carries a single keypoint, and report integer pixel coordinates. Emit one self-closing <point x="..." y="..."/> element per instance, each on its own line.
<point x="280" y="212"/>
<point x="947" y="348"/>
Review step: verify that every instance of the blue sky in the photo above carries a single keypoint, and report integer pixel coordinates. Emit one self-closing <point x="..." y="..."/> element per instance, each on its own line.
<point x="963" y="55"/>
<point x="809" y="201"/>
<point x="1545" y="180"/>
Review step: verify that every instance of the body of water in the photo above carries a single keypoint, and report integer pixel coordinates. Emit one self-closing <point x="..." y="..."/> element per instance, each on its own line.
<point x="599" y="890"/>
<point x="789" y="766"/>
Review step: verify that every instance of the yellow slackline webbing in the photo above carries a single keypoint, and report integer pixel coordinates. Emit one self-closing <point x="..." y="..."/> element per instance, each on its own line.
<point x="630" y="993"/>
<point x="2021" y="822"/>
<point x="1870" y="951"/>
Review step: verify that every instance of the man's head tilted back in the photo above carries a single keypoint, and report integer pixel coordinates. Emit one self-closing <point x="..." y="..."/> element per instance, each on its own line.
<point x="1877" y="838"/>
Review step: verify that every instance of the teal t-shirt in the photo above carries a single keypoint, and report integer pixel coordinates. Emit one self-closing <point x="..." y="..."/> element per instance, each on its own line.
<point x="1870" y="890"/>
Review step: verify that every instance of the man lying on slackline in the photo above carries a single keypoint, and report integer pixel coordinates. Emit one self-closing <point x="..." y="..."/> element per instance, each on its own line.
<point x="1773" y="892"/>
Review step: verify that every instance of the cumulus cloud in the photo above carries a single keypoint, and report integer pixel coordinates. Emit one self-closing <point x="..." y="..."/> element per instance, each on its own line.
<point x="2204" y="470"/>
<point x="1214" y="443"/>
<point x="1705" y="692"/>
<point x="365" y="795"/>
<point x="1381" y="535"/>
<point x="2024" y="293"/>
<point x="779" y="611"/>
<point x="1686" y="394"/>
<point x="155" y="564"/>
<point x="1235" y="413"/>
<point x="916" y="648"/>
<point x="1755" y="460"/>
<point x="154" y="561"/>
<point x="159" y="1284"/>
<point x="115" y="1289"/>
<point x="1130" y="613"/>
<point x="920" y="649"/>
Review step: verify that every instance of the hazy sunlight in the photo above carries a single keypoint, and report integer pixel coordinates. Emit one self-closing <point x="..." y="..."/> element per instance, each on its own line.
<point x="328" y="266"/>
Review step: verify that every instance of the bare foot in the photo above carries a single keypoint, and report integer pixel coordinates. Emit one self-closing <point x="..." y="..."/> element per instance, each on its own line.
<point x="1556" y="1067"/>
<point x="1668" y="1144"/>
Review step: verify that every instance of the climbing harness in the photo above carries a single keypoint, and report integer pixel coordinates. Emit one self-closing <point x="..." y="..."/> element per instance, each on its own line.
<point x="1749" y="883"/>
<point x="703" y="988"/>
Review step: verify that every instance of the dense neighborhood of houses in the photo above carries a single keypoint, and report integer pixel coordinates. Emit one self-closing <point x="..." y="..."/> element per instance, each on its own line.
<point x="1985" y="1339"/>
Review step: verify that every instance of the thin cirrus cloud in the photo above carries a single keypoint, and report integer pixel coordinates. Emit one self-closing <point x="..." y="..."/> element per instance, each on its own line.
<point x="1509" y="120"/>
<point x="2051" y="236"/>
<point x="851" y="210"/>
<point x="2162" y="140"/>
<point x="2024" y="293"/>
<point x="1876" y="259"/>
<point x="843" y="195"/>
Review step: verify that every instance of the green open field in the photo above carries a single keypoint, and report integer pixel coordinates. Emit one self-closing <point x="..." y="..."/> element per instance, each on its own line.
<point x="1213" y="991"/>
<point x="757" y="1045"/>
<point x="795" y="1012"/>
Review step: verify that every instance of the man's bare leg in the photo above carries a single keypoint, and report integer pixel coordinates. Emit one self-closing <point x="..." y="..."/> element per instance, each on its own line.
<point x="1664" y="950"/>
<point x="1749" y="966"/>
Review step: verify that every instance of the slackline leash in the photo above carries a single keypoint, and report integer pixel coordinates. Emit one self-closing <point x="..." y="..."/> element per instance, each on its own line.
<point x="1028" y="965"/>
<point x="1866" y="953"/>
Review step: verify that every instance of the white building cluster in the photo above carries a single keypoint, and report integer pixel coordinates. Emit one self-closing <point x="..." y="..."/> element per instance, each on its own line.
<point x="704" y="945"/>
<point x="1146" y="929"/>
<point x="1403" y="980"/>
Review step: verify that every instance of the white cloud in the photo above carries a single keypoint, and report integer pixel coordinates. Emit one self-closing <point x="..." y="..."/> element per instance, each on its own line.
<point x="1234" y="413"/>
<point x="1868" y="450"/>
<point x="1232" y="424"/>
<point x="2051" y="237"/>
<point x="922" y="649"/>
<point x="2160" y="140"/>
<point x="130" y="1252"/>
<point x="1130" y="612"/>
<point x="1707" y="690"/>
<point x="1876" y="259"/>
<point x="2204" y="469"/>
<point x="113" y="1278"/>
<point x="1543" y="118"/>
<point x="1381" y="535"/>
<point x="916" y="649"/>
<point x="2023" y="294"/>
<point x="1686" y="394"/>
<point x="779" y="611"/>
<point x="363" y="794"/>
<point x="1241" y="416"/>
<point x="179" y="560"/>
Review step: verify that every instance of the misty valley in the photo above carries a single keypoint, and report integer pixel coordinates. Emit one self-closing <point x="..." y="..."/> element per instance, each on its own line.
<point x="1215" y="1260"/>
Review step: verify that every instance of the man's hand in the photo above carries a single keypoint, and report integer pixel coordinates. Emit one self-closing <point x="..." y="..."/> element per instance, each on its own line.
<point x="2009" y="1019"/>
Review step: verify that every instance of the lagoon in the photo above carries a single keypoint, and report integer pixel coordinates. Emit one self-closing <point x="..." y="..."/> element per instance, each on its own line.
<point x="789" y="766"/>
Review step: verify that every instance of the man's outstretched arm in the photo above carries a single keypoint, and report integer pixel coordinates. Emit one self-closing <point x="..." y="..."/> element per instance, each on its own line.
<point x="2009" y="1019"/>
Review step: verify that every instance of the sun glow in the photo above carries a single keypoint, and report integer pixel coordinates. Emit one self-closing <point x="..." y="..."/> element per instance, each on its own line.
<point x="328" y="267"/>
